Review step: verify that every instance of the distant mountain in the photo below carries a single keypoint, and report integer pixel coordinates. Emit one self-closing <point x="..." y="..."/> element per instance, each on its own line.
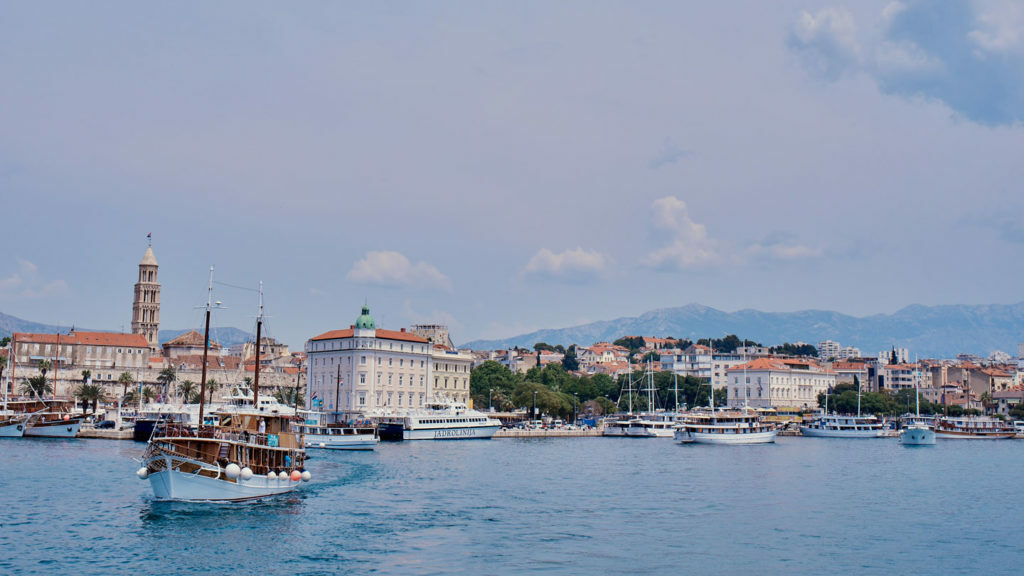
<point x="926" y="331"/>
<point x="9" y="324"/>
<point x="224" y="336"/>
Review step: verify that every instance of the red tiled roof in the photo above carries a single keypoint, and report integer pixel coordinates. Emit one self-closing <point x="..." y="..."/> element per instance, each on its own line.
<point x="777" y="364"/>
<point x="89" y="338"/>
<point x="381" y="334"/>
<point x="190" y="338"/>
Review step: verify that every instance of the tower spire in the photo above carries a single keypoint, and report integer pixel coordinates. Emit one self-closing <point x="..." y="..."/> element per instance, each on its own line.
<point x="146" y="304"/>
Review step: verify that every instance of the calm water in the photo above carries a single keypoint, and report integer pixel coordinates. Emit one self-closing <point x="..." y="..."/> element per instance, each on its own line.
<point x="557" y="506"/>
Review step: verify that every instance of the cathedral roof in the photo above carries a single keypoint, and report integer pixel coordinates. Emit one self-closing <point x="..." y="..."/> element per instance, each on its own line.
<point x="365" y="321"/>
<point x="192" y="338"/>
<point x="148" y="259"/>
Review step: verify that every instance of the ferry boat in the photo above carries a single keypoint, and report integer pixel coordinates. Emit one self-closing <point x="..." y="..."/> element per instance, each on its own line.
<point x="973" y="428"/>
<point x="320" y="432"/>
<point x="840" y="426"/>
<point x="726" y="427"/>
<point x="614" y="427"/>
<point x="649" y="426"/>
<point x="240" y="453"/>
<point x="441" y="420"/>
<point x="152" y="415"/>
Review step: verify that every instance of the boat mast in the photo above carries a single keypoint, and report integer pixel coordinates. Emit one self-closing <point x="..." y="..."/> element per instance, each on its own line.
<point x="259" y="326"/>
<point x="629" y="388"/>
<point x="711" y="374"/>
<point x="206" y="348"/>
<point x="675" y="378"/>
<point x="858" y="397"/>
<point x="56" y="365"/>
<point x="337" y="391"/>
<point x="14" y="361"/>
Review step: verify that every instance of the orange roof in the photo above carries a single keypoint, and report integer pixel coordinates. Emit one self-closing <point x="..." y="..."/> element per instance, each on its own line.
<point x="770" y="363"/>
<point x="190" y="338"/>
<point x="89" y="338"/>
<point x="849" y="366"/>
<point x="195" y="361"/>
<point x="380" y="333"/>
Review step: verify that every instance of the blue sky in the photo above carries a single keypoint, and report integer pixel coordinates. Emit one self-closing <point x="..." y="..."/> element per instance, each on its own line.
<point x="504" y="167"/>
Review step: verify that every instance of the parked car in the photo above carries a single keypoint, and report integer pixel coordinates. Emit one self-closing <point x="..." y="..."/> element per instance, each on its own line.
<point x="106" y="424"/>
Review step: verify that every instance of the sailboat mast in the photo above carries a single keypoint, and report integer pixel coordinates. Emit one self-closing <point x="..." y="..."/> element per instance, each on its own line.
<point x="858" y="397"/>
<point x="259" y="326"/>
<point x="56" y="365"/>
<point x="675" y="378"/>
<point x="711" y="374"/>
<point x="206" y="348"/>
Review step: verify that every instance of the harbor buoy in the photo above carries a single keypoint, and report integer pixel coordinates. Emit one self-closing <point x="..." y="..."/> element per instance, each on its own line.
<point x="283" y="475"/>
<point x="246" y="473"/>
<point x="271" y="475"/>
<point x="322" y="445"/>
<point x="66" y="417"/>
<point x="142" y="473"/>
<point x="306" y="476"/>
<point x="296" y="476"/>
<point x="232" y="471"/>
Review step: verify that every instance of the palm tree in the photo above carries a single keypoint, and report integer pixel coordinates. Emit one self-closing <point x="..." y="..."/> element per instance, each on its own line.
<point x="126" y="380"/>
<point x="148" y="394"/>
<point x="36" y="386"/>
<point x="166" y="378"/>
<point x="44" y="366"/>
<point x="288" y="396"/>
<point x="86" y="374"/>
<point x="212" y="385"/>
<point x="187" y="390"/>
<point x="89" y="394"/>
<point x="130" y="397"/>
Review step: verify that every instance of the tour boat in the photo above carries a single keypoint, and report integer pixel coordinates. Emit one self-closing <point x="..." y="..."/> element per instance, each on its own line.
<point x="47" y="418"/>
<point x="840" y="426"/>
<point x="650" y="426"/>
<point x="240" y="453"/>
<point x="726" y="427"/>
<point x="614" y="427"/>
<point x="320" y="432"/>
<point x="973" y="428"/>
<point x="440" y="420"/>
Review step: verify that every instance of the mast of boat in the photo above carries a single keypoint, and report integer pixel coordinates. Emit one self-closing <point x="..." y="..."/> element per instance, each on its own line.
<point x="917" y="394"/>
<point x="337" y="391"/>
<point x="14" y="362"/>
<point x="675" y="378"/>
<point x="256" y="379"/>
<point x="859" y="384"/>
<point x="9" y="383"/>
<point x="711" y="374"/>
<point x="56" y="365"/>
<point x="650" y="385"/>
<point x="629" y="388"/>
<point x="206" y="348"/>
<point x="746" y="384"/>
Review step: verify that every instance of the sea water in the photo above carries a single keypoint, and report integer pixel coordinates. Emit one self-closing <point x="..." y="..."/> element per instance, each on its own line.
<point x="529" y="506"/>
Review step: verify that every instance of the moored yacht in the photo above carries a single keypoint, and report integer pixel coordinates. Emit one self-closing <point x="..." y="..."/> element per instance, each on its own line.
<point x="973" y="428"/>
<point x="321" y="431"/>
<point x="440" y="420"/>
<point x="12" y="425"/>
<point x="842" y="426"/>
<point x="917" y="430"/>
<point x="726" y="427"/>
<point x="47" y="418"/>
<point x="650" y="426"/>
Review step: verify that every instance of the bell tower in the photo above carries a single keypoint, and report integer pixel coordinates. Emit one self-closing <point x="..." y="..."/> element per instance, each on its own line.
<point x="146" y="306"/>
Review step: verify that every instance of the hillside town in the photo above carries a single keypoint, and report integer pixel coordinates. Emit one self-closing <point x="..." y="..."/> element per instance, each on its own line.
<point x="370" y="370"/>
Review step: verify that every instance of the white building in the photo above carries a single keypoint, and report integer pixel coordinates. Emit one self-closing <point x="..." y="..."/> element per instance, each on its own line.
<point x="828" y="349"/>
<point x="778" y="383"/>
<point x="698" y="361"/>
<point x="368" y="370"/>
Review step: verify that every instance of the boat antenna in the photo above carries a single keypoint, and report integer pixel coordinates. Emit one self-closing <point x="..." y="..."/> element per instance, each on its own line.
<point x="256" y="378"/>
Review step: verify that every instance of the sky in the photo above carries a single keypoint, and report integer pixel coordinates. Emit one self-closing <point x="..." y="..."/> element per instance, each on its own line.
<point x="502" y="167"/>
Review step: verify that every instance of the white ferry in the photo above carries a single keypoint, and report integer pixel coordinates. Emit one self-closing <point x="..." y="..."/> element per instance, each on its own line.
<point x="837" y="426"/>
<point x="650" y="426"/>
<point x="973" y="428"/>
<point x="322" y="432"/>
<point x="441" y="420"/>
<point x="726" y="427"/>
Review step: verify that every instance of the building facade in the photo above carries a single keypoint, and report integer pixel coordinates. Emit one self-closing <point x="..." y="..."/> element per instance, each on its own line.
<point x="106" y="355"/>
<point x="368" y="370"/>
<point x="789" y="383"/>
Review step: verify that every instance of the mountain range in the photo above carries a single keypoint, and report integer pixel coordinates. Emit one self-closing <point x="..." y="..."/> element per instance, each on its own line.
<point x="925" y="331"/>
<point x="226" y="336"/>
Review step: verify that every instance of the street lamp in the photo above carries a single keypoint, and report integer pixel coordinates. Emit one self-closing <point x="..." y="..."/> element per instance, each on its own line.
<point x="490" y="406"/>
<point x="534" y="405"/>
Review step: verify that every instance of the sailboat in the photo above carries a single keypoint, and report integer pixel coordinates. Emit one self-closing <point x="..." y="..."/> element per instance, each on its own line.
<point x="917" y="433"/>
<point x="650" y="424"/>
<point x="238" y="452"/>
<point x="12" y="424"/>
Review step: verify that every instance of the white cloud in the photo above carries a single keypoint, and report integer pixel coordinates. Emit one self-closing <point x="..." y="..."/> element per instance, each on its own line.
<point x="999" y="27"/>
<point x="26" y="283"/>
<point x="571" y="265"/>
<point x="688" y="242"/>
<point x="826" y="42"/>
<point x="784" y="251"/>
<point x="385" y="268"/>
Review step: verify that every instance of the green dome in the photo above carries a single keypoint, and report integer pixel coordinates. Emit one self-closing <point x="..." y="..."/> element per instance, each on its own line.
<point x="365" y="321"/>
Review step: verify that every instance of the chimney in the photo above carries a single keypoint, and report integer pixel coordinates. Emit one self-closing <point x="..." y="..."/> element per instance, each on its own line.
<point x="403" y="329"/>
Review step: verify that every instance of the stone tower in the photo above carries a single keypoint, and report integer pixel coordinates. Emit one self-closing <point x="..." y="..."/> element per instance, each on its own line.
<point x="146" y="306"/>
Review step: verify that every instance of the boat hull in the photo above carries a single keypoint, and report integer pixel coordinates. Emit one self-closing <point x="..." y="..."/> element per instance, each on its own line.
<point x="766" y="437"/>
<point x="177" y="485"/>
<point x="469" y="433"/>
<point x="819" y="433"/>
<point x="13" y="429"/>
<point x="53" y="429"/>
<point x="335" y="442"/>
<point x="949" y="435"/>
<point x="917" y="436"/>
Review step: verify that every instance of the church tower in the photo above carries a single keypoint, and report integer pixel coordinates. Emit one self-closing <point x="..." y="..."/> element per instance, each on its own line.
<point x="146" y="306"/>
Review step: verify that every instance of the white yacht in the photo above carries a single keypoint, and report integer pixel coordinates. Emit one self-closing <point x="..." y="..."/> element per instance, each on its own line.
<point x="726" y="427"/>
<point x="840" y="426"/>
<point x="322" y="431"/>
<point x="440" y="420"/>
<point x="973" y="428"/>
<point x="917" y="430"/>
<point x="650" y="426"/>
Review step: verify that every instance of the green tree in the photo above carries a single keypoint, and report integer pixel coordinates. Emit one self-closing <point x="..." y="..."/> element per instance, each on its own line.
<point x="188" y="391"/>
<point x="129" y="397"/>
<point x="5" y="341"/>
<point x="632" y="343"/>
<point x="126" y="380"/>
<point x="166" y="378"/>
<point x="211" y="387"/>
<point x="492" y="375"/>
<point x="148" y="394"/>
<point x="36" y="386"/>
<point x="570" y="362"/>
<point x="44" y="366"/>
<point x="289" y="396"/>
<point x="86" y="374"/>
<point x="89" y="394"/>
